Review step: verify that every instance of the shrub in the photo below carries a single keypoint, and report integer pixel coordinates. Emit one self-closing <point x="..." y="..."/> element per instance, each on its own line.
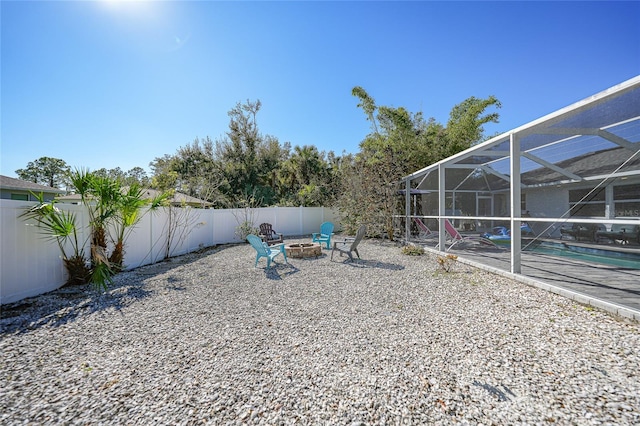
<point x="244" y="229"/>
<point x="447" y="262"/>
<point x="61" y="227"/>
<point x="411" y="250"/>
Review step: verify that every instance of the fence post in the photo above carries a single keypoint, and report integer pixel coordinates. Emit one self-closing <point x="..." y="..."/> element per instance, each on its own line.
<point x="301" y="223"/>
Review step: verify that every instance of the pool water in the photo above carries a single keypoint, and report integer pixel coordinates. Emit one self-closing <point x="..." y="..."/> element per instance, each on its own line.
<point x="605" y="257"/>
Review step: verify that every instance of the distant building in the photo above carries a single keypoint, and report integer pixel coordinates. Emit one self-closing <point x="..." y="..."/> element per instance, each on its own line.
<point x="18" y="189"/>
<point x="178" y="200"/>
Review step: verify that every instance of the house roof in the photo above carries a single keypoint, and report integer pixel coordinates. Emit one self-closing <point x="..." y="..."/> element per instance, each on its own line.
<point x="7" y="182"/>
<point x="591" y="165"/>
<point x="178" y="198"/>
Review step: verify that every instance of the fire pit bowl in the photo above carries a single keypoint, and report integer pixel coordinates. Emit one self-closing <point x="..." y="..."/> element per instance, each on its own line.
<point x="303" y="250"/>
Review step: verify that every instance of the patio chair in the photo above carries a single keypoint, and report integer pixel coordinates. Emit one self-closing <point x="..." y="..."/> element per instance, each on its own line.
<point x="582" y="231"/>
<point x="350" y="244"/>
<point x="620" y="232"/>
<point x="324" y="236"/>
<point x="263" y="249"/>
<point x="458" y="239"/>
<point x="268" y="235"/>
<point x="425" y="232"/>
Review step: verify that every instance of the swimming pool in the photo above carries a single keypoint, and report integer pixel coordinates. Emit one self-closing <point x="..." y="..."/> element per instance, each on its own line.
<point x="588" y="254"/>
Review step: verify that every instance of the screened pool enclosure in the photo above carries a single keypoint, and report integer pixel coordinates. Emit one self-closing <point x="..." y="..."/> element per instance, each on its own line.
<point x="567" y="181"/>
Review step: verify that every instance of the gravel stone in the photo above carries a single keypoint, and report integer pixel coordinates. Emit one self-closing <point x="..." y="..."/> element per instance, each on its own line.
<point x="207" y="338"/>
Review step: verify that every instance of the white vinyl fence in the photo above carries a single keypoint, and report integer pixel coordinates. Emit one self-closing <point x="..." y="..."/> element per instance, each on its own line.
<point x="31" y="265"/>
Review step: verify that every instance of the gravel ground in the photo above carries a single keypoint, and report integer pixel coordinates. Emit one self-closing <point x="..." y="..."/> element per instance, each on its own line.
<point x="391" y="339"/>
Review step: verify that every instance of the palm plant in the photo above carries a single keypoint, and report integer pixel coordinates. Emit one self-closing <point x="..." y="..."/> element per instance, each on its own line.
<point x="61" y="226"/>
<point x="100" y="195"/>
<point x="128" y="208"/>
<point x="110" y="208"/>
<point x="128" y="214"/>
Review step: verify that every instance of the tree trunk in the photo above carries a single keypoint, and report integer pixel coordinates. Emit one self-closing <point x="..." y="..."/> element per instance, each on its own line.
<point x="77" y="269"/>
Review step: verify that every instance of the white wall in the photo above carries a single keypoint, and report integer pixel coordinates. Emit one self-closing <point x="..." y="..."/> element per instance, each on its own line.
<point x="31" y="265"/>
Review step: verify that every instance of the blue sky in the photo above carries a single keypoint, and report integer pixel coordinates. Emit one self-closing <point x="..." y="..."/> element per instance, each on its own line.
<point x="116" y="84"/>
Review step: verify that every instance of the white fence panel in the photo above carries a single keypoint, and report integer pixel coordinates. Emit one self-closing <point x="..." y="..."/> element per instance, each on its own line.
<point x="202" y="230"/>
<point x="224" y="225"/>
<point x="159" y="224"/>
<point x="30" y="265"/>
<point x="83" y="232"/>
<point x="289" y="221"/>
<point x="189" y="229"/>
<point x="314" y="217"/>
<point x="139" y="244"/>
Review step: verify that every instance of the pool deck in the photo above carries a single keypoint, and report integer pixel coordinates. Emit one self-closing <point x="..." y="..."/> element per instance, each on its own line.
<point x="611" y="288"/>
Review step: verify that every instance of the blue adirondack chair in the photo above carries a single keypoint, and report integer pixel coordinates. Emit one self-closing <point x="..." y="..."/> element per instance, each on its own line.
<point x="263" y="250"/>
<point x="324" y="236"/>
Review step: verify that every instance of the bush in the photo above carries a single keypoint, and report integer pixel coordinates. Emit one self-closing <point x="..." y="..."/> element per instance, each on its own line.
<point x="411" y="250"/>
<point x="447" y="262"/>
<point x="244" y="229"/>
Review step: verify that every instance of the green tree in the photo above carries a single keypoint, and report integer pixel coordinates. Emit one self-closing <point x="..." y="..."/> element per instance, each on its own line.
<point x="246" y="165"/>
<point x="272" y="155"/>
<point x="137" y="176"/>
<point x="397" y="146"/>
<point x="164" y="176"/>
<point x="466" y="121"/>
<point x="115" y="174"/>
<point x="238" y="153"/>
<point x="192" y="170"/>
<point x="198" y="171"/>
<point x="352" y="203"/>
<point x="306" y="177"/>
<point x="46" y="171"/>
<point x="400" y="143"/>
<point x="368" y="105"/>
<point x="248" y="160"/>
<point x="111" y="209"/>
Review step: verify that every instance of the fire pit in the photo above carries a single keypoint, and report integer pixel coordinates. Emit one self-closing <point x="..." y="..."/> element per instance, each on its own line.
<point x="303" y="250"/>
